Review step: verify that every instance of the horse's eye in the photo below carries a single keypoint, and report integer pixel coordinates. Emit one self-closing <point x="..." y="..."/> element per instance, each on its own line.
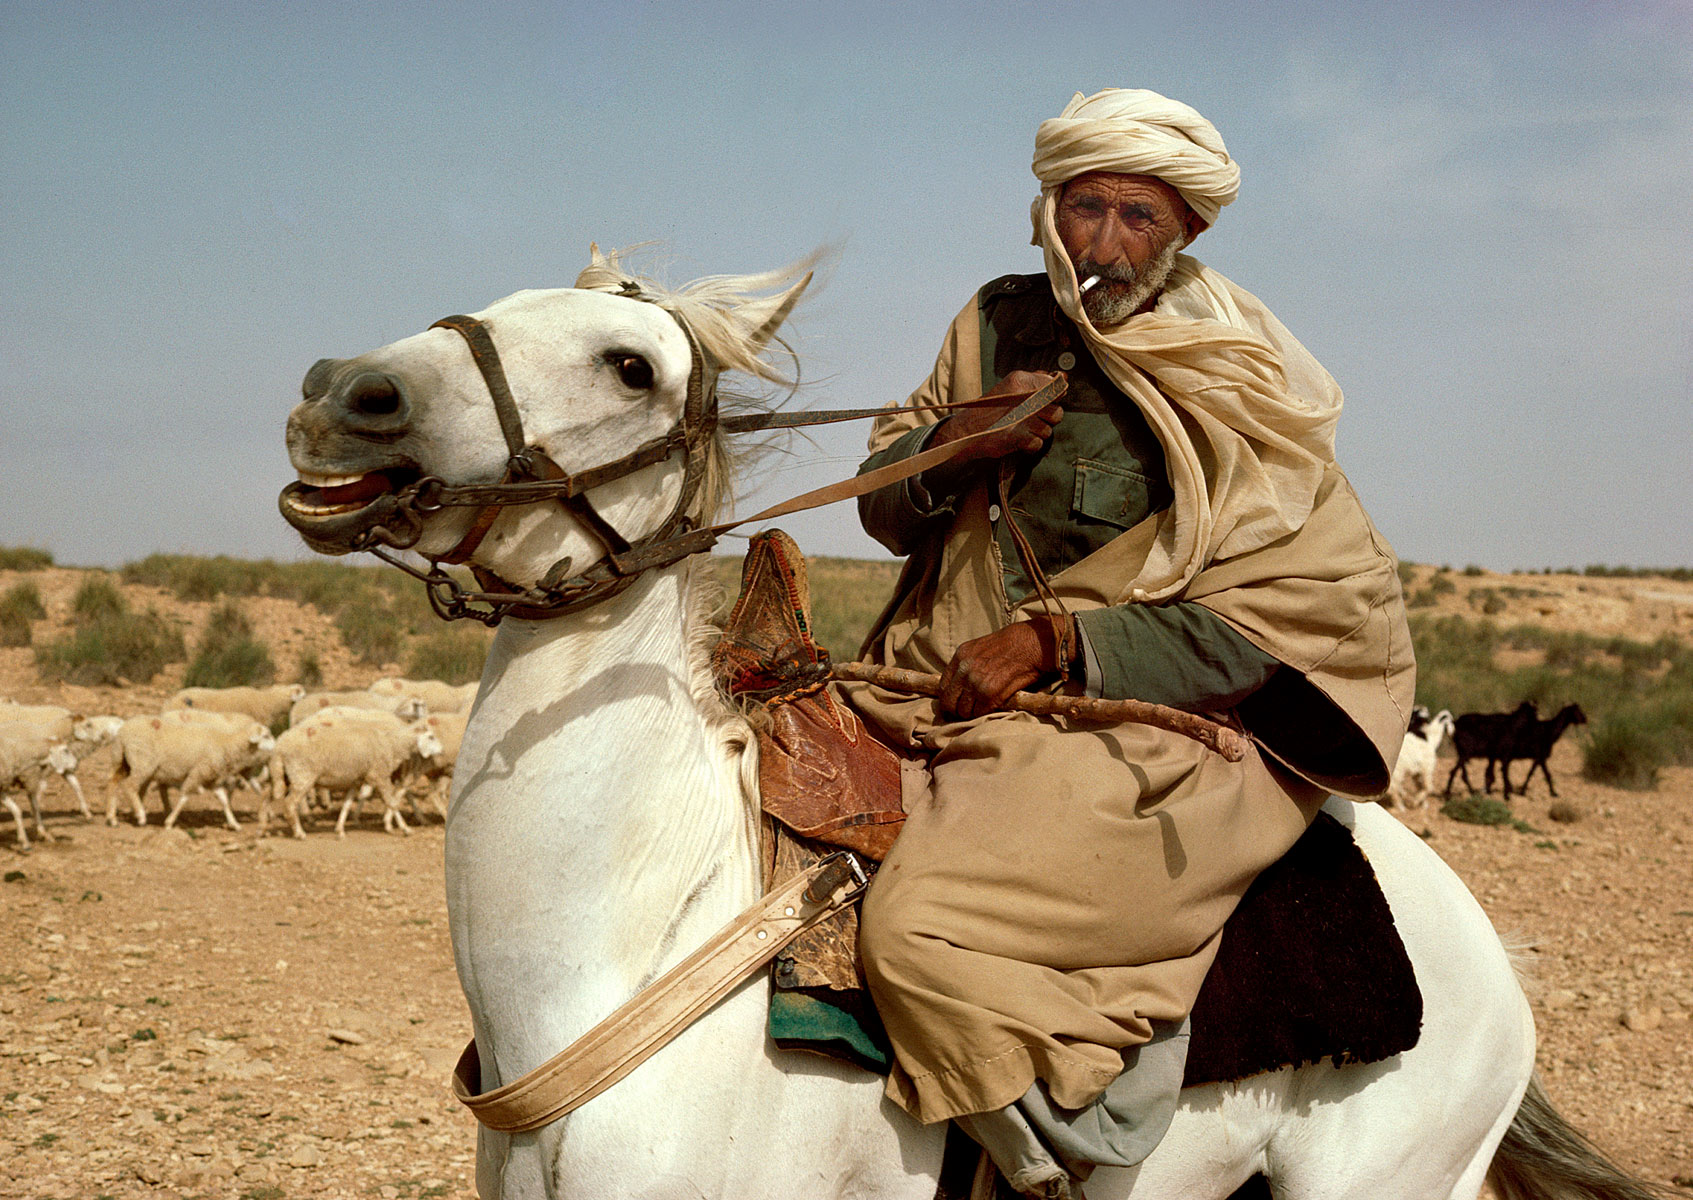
<point x="635" y="371"/>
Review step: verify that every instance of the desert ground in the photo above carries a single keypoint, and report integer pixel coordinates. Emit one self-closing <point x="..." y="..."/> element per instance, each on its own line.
<point x="202" y="1013"/>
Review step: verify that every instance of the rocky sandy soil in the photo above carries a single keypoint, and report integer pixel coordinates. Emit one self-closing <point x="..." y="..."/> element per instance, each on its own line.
<point x="198" y="1013"/>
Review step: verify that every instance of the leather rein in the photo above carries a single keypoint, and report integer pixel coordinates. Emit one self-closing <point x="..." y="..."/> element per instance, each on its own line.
<point x="531" y="476"/>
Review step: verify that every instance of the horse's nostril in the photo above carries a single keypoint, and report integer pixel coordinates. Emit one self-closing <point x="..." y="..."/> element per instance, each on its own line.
<point x="373" y="395"/>
<point x="319" y="378"/>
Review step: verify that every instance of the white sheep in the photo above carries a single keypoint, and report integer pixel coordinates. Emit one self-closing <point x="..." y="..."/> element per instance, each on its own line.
<point x="80" y="737"/>
<point x="58" y="721"/>
<point x="407" y="708"/>
<point x="345" y="749"/>
<point x="264" y="704"/>
<point x="435" y="773"/>
<point x="440" y="697"/>
<point x="186" y="749"/>
<point x="28" y="752"/>
<point x="87" y="736"/>
<point x="1413" y="774"/>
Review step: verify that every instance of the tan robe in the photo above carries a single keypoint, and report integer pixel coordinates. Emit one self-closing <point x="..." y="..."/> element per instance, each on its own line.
<point x="1057" y="887"/>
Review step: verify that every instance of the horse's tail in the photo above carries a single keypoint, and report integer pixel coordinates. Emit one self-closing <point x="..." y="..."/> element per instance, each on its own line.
<point x="1542" y="1157"/>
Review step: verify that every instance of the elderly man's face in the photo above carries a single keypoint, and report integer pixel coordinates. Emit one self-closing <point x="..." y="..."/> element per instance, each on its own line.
<point x="1126" y="229"/>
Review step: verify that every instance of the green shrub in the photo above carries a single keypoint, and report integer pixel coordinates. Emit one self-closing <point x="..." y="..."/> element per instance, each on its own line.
<point x="452" y="655"/>
<point x="228" y="655"/>
<point x="1488" y="600"/>
<point x="309" y="673"/>
<point x="1438" y="585"/>
<point x="111" y="649"/>
<point x="20" y="605"/>
<point x="1623" y="753"/>
<point x="24" y="558"/>
<point x="1484" y="810"/>
<point x="370" y="631"/>
<point x="25" y="597"/>
<point x="1407" y="573"/>
<point x="1472" y="570"/>
<point x="97" y="599"/>
<point x="14" y="628"/>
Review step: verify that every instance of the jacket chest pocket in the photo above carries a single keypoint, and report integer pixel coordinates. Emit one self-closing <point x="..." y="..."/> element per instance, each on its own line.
<point x="1112" y="493"/>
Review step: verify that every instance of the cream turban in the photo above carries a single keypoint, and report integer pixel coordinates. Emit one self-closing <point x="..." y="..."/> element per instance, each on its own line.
<point x="1245" y="415"/>
<point x="1136" y="132"/>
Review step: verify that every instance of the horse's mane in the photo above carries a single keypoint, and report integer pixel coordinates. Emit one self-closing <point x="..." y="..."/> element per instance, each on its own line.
<point x="727" y="314"/>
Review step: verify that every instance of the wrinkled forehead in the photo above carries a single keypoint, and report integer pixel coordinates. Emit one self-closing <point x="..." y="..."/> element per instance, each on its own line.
<point x="1114" y="185"/>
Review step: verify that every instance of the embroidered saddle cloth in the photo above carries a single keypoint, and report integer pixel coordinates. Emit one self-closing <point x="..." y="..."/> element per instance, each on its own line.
<point x="1310" y="966"/>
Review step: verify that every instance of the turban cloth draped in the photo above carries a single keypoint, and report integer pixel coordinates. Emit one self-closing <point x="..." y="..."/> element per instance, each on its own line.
<point x="1245" y="414"/>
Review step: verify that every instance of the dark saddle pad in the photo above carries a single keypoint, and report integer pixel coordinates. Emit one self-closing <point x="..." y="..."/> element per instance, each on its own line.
<point x="1310" y="966"/>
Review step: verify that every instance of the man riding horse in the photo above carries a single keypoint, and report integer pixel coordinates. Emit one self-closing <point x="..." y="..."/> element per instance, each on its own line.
<point x="1174" y="529"/>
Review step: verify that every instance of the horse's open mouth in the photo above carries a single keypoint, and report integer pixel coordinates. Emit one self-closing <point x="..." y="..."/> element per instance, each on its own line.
<point x="332" y="511"/>
<point x="335" y="495"/>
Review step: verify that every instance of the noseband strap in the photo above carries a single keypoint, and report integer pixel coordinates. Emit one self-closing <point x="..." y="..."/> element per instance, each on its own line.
<point x="531" y="476"/>
<point x="487" y="358"/>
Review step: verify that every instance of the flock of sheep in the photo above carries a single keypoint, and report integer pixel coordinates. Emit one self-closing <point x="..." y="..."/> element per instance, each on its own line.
<point x="398" y="739"/>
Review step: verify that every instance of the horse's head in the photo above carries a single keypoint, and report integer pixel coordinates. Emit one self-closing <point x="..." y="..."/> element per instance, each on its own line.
<point x="594" y="376"/>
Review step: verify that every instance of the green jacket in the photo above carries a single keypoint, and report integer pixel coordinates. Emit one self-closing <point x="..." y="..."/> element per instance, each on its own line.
<point x="1101" y="474"/>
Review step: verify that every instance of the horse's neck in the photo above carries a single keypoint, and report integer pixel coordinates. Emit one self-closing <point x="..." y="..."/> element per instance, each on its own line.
<point x="598" y="830"/>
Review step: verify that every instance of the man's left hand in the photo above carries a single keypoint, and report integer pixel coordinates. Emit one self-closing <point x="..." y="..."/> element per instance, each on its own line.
<point x="985" y="671"/>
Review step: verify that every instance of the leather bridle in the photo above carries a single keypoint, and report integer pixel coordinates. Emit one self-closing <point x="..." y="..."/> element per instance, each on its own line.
<point x="530" y="477"/>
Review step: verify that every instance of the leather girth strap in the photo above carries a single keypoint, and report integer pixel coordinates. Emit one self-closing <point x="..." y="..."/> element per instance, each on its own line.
<point x="656" y="1014"/>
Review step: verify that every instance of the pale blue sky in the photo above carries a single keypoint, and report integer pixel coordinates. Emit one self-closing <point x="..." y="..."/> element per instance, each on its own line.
<point x="1479" y="217"/>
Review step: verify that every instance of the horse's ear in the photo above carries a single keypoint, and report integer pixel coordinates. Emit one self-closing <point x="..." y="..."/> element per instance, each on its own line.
<point x="596" y="257"/>
<point x="767" y="313"/>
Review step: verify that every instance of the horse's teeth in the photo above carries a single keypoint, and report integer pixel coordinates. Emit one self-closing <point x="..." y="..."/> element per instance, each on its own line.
<point x="328" y="481"/>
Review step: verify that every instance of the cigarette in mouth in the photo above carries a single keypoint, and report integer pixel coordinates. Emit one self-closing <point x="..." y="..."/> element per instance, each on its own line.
<point x="1086" y="284"/>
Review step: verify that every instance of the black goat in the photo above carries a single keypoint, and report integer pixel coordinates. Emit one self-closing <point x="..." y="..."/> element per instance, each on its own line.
<point x="1489" y="736"/>
<point x="1535" y="741"/>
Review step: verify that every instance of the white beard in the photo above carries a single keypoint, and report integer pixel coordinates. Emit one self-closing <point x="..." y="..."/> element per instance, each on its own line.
<point x="1122" y="290"/>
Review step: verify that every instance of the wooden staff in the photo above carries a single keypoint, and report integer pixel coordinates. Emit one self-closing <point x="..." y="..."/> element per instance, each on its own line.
<point x="1230" y="743"/>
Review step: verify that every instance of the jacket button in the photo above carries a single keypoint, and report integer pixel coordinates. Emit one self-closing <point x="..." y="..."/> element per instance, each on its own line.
<point x="1066" y="360"/>
<point x="993" y="512"/>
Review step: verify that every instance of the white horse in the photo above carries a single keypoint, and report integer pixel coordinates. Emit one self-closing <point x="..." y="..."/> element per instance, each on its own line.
<point x="603" y="822"/>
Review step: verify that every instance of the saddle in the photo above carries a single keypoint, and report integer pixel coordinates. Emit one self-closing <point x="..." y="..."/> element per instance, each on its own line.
<point x="1310" y="965"/>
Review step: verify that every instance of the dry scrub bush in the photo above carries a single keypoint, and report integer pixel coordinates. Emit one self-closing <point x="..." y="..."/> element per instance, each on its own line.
<point x="110" y="645"/>
<point x="97" y="598"/>
<point x="453" y="655"/>
<point x="24" y="558"/>
<point x="228" y="655"/>
<point x="20" y="605"/>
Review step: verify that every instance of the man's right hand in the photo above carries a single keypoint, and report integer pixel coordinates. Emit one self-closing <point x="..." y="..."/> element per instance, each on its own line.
<point x="1025" y="437"/>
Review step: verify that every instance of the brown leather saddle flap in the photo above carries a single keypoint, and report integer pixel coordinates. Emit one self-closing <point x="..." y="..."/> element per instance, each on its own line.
<point x="825" y="780"/>
<point x="822" y="774"/>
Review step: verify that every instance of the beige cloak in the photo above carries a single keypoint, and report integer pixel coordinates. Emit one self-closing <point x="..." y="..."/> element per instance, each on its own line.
<point x="1058" y="886"/>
